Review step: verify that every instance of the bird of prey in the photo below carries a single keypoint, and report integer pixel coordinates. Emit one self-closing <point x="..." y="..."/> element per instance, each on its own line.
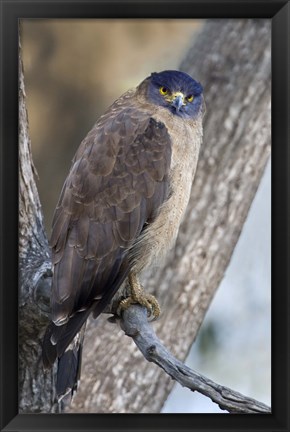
<point x="120" y="209"/>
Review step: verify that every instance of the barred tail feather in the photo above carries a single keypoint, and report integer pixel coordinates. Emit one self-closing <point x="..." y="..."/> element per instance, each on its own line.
<point x="65" y="343"/>
<point x="57" y="338"/>
<point x="69" y="367"/>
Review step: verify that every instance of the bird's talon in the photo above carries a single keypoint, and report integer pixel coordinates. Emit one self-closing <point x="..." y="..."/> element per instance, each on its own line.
<point x="124" y="304"/>
<point x="154" y="306"/>
<point x="139" y="296"/>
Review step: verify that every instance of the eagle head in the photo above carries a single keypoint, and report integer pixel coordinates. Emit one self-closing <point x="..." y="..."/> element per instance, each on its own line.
<point x="176" y="91"/>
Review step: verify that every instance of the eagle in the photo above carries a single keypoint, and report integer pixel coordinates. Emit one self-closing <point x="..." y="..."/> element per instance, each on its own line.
<point x="120" y="209"/>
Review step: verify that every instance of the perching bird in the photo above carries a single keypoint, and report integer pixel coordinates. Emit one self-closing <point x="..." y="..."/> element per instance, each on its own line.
<point x="120" y="208"/>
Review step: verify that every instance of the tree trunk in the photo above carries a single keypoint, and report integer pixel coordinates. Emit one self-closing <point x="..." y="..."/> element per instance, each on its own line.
<point x="232" y="60"/>
<point x="36" y="390"/>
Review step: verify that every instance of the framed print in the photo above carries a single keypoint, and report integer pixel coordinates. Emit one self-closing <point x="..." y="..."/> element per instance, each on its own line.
<point x="203" y="104"/>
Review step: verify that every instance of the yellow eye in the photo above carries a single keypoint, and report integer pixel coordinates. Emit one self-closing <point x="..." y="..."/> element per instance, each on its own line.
<point x="189" y="98"/>
<point x="163" y="90"/>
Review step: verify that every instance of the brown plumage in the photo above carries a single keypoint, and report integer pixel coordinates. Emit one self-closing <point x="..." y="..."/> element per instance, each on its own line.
<point x="119" y="209"/>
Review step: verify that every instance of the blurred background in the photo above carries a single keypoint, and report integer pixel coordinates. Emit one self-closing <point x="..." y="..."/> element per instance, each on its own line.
<point x="74" y="69"/>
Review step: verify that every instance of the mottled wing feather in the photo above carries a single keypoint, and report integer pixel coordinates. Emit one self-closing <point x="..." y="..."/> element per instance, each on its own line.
<point x="118" y="181"/>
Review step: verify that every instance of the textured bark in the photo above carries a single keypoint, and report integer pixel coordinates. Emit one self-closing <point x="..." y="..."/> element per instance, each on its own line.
<point x="35" y="388"/>
<point x="232" y="60"/>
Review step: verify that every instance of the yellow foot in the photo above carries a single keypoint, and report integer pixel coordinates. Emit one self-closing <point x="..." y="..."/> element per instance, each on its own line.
<point x="139" y="296"/>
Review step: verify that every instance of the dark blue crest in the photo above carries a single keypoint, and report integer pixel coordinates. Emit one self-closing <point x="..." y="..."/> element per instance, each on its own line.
<point x="163" y="86"/>
<point x="177" y="81"/>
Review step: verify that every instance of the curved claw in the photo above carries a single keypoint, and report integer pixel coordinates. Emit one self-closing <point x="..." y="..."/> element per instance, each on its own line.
<point x="139" y="296"/>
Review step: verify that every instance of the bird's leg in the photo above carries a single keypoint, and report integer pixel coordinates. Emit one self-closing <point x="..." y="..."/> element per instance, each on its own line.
<point x="139" y="296"/>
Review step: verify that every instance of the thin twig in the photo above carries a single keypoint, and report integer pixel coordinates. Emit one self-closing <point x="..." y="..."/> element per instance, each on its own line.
<point x="135" y="324"/>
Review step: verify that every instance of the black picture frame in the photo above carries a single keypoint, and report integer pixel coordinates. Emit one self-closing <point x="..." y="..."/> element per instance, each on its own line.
<point x="279" y="13"/>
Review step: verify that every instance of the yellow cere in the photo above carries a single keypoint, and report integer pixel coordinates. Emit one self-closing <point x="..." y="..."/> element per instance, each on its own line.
<point x="175" y="95"/>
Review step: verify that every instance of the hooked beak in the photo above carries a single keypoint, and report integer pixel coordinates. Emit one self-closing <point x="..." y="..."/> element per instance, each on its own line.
<point x="177" y="100"/>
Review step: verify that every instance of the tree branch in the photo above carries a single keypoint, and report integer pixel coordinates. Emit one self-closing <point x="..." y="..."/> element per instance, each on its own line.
<point x="135" y="324"/>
